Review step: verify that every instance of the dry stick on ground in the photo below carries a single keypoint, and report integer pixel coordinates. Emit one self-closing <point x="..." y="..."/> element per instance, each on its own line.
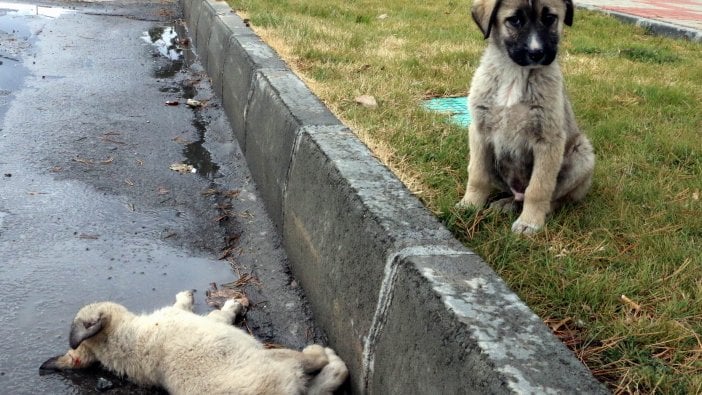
<point x="108" y="138"/>
<point x="633" y="305"/>
<point x="107" y="161"/>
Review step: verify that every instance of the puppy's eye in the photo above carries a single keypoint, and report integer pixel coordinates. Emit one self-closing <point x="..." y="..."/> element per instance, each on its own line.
<point x="549" y="19"/>
<point x="515" y="21"/>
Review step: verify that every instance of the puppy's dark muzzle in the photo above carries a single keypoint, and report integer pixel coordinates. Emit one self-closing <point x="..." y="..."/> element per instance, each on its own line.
<point x="536" y="56"/>
<point x="532" y="57"/>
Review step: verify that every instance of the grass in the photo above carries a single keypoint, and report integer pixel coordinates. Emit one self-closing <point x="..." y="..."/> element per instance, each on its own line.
<point x="637" y="234"/>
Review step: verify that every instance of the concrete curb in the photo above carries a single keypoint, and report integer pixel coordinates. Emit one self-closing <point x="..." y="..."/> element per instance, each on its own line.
<point x="406" y="306"/>
<point x="655" y="26"/>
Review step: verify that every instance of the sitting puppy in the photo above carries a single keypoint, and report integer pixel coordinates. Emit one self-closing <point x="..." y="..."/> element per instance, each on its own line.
<point x="524" y="140"/>
<point x="186" y="353"/>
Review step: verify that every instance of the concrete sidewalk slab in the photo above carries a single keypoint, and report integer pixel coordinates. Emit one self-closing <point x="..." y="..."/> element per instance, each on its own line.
<point x="406" y="306"/>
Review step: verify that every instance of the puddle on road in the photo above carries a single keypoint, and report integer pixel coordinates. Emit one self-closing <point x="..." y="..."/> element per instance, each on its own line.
<point x="31" y="9"/>
<point x="171" y="56"/>
<point x="174" y="57"/>
<point x="12" y="74"/>
<point x="197" y="155"/>
<point x="48" y="272"/>
<point x="16" y="37"/>
<point x="164" y="40"/>
<point x="12" y="15"/>
<point x="13" y="18"/>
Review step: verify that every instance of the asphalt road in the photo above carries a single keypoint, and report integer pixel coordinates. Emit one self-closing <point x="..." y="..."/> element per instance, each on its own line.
<point x="90" y="208"/>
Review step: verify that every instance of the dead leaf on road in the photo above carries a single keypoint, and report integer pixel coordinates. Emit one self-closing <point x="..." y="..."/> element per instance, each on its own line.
<point x="217" y="296"/>
<point x="183" y="168"/>
<point x="232" y="193"/>
<point x="192" y="103"/>
<point x="209" y="192"/>
<point x="181" y="140"/>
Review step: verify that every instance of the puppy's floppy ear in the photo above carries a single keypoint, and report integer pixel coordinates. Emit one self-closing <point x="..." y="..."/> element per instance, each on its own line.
<point x="569" y="12"/>
<point x="484" y="13"/>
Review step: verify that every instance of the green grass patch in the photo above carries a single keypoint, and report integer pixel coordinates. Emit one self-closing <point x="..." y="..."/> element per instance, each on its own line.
<point x="639" y="231"/>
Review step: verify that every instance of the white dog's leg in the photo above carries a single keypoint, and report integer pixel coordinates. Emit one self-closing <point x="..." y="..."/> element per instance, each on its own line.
<point x="228" y="312"/>
<point x="331" y="377"/>
<point x="184" y="300"/>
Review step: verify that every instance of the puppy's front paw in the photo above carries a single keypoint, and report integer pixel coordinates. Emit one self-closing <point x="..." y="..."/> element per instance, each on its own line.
<point x="525" y="228"/>
<point x="471" y="201"/>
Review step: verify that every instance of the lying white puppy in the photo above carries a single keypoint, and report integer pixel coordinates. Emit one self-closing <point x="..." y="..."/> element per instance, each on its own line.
<point x="186" y="353"/>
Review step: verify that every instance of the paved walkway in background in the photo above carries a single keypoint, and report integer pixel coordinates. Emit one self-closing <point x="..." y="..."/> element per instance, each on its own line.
<point x="681" y="18"/>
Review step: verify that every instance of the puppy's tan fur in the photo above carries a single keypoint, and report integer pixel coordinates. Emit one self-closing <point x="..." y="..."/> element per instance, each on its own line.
<point x="523" y="129"/>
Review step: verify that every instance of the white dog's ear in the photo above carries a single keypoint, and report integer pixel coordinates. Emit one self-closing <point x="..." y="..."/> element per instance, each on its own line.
<point x="569" y="13"/>
<point x="484" y="14"/>
<point x="82" y="329"/>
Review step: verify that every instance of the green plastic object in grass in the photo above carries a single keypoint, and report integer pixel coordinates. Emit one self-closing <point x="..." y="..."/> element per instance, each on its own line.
<point x="455" y="107"/>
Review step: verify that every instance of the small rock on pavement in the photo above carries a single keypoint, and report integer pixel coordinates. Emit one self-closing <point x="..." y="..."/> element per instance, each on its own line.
<point x="104" y="384"/>
<point x="367" y="101"/>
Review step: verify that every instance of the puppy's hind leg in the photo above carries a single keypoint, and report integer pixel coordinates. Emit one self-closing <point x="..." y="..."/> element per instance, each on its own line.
<point x="184" y="300"/>
<point x="331" y="377"/>
<point x="227" y="314"/>
<point x="505" y="205"/>
<point x="575" y="178"/>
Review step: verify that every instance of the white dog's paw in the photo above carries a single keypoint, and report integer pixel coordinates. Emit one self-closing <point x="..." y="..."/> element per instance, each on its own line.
<point x="232" y="306"/>
<point x="185" y="300"/>
<point x="336" y="369"/>
<point x="525" y="228"/>
<point x="314" y="349"/>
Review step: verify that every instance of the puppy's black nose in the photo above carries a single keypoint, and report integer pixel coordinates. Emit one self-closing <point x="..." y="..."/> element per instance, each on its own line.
<point x="536" y="55"/>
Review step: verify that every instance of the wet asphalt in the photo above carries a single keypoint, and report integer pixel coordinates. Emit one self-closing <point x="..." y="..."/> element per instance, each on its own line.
<point x="90" y="208"/>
